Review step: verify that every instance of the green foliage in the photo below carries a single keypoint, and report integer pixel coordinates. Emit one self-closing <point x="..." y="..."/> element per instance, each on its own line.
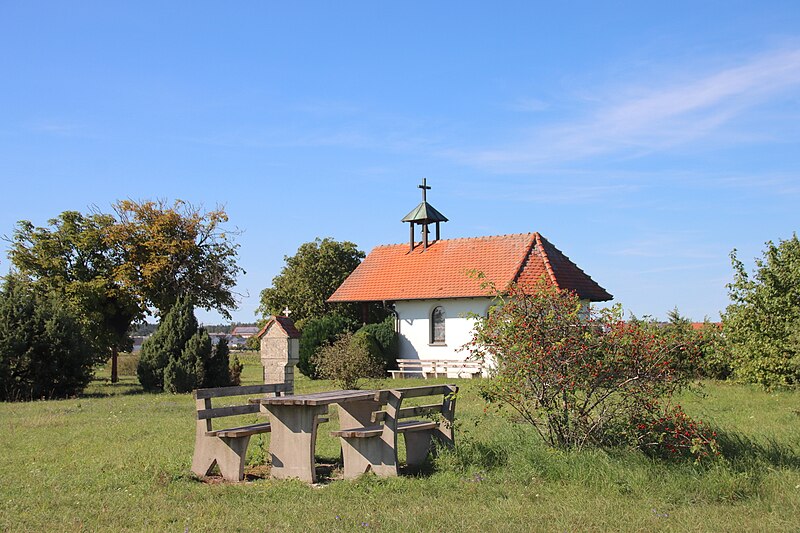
<point x="190" y="370"/>
<point x="172" y="251"/>
<point x="762" y="323"/>
<point x="309" y="278"/>
<point x="386" y="337"/>
<point x="218" y="368"/>
<point x="582" y="381"/>
<point x="236" y="371"/>
<point x="350" y="358"/>
<point x="166" y="345"/>
<point x="72" y="258"/>
<point x="696" y="353"/>
<point x="44" y="352"/>
<point x="252" y="343"/>
<point x="179" y="356"/>
<point x="715" y="354"/>
<point x="319" y="332"/>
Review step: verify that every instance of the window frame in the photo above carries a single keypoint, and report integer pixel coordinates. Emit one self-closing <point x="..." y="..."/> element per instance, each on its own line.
<point x="432" y="334"/>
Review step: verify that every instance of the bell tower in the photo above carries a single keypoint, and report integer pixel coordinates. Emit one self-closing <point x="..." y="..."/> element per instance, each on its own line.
<point x="423" y="215"/>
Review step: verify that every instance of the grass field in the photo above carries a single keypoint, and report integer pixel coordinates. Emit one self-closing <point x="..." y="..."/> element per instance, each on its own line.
<point x="117" y="459"/>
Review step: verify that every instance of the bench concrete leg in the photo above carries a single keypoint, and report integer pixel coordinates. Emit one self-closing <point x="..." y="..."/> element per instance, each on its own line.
<point x="418" y="444"/>
<point x="365" y="454"/>
<point x="226" y="452"/>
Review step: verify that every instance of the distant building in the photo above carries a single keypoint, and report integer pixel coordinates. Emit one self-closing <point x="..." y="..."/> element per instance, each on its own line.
<point x="244" y="332"/>
<point x="138" y="340"/>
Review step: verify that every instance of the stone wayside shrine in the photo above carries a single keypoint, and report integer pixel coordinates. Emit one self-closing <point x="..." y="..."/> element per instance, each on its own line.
<point x="280" y="351"/>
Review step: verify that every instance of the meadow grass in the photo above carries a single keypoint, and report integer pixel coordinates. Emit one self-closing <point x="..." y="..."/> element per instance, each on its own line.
<point x="118" y="459"/>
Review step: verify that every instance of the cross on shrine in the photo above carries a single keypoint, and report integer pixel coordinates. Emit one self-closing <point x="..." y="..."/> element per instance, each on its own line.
<point x="425" y="188"/>
<point x="286" y="311"/>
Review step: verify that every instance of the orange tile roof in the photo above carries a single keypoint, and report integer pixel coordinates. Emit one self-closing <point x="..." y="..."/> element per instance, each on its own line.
<point x="393" y="273"/>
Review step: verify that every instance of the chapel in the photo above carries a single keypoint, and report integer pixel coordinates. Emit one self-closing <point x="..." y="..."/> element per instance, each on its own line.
<point x="432" y="287"/>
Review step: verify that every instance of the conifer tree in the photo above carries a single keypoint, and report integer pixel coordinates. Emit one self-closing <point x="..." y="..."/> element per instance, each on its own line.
<point x="166" y="344"/>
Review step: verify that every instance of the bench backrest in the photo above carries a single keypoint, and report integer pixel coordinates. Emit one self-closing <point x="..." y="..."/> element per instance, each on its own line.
<point x="205" y="412"/>
<point x="394" y="412"/>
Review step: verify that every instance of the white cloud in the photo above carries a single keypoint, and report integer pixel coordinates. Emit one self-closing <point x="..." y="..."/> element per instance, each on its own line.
<point x="650" y="119"/>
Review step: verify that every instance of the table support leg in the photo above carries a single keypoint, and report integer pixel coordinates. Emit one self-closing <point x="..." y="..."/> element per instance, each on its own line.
<point x="357" y="414"/>
<point x="293" y="440"/>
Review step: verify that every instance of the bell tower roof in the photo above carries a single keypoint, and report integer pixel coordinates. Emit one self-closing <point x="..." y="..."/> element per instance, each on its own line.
<point x="424" y="213"/>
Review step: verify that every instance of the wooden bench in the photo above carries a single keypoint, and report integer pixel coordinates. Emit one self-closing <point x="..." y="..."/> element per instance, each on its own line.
<point x="226" y="447"/>
<point x="374" y="448"/>
<point x="437" y="368"/>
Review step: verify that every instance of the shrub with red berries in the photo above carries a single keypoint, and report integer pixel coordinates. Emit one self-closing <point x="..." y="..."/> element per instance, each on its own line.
<point x="583" y="379"/>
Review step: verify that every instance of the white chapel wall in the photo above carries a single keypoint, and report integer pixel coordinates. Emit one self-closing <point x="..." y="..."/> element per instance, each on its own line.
<point x="415" y="327"/>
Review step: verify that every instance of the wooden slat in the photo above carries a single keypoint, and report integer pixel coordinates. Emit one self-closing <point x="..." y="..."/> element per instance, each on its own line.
<point x="241" y="431"/>
<point x="415" y="392"/>
<point x="372" y="431"/>
<point x="375" y="431"/>
<point x="233" y="410"/>
<point x="416" y="425"/>
<point x="407" y="371"/>
<point x="221" y="392"/>
<point x="319" y="398"/>
<point x="408" y="412"/>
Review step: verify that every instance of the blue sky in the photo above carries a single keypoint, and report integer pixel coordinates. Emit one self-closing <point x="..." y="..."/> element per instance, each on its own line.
<point x="644" y="142"/>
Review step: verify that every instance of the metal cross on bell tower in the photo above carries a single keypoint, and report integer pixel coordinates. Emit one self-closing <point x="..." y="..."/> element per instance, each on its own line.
<point x="423" y="215"/>
<point x="425" y="188"/>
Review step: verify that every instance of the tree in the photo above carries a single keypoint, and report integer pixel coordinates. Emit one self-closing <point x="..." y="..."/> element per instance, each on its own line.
<point x="166" y="344"/>
<point x="73" y="259"/>
<point x="309" y="278"/>
<point x="190" y="370"/>
<point x="218" y="371"/>
<point x="762" y="323"/>
<point x="173" y="251"/>
<point x="44" y="352"/>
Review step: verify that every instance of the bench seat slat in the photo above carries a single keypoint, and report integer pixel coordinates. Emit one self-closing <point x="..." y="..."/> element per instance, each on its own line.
<point x="242" y="431"/>
<point x="374" y="431"/>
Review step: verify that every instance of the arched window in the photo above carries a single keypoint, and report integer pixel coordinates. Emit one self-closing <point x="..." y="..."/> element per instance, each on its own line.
<point x="437" y="325"/>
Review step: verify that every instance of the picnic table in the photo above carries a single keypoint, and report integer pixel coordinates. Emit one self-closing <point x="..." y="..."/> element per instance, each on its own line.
<point x="294" y="421"/>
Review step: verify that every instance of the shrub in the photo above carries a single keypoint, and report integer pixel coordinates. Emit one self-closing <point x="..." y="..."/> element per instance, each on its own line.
<point x="385" y="335"/>
<point x="578" y="381"/>
<point x="236" y="371"/>
<point x="44" y="352"/>
<point x="179" y="356"/>
<point x="348" y="359"/>
<point x="697" y="353"/>
<point x="318" y="332"/>
<point x="716" y="360"/>
<point x="127" y="364"/>
<point x="670" y="433"/>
